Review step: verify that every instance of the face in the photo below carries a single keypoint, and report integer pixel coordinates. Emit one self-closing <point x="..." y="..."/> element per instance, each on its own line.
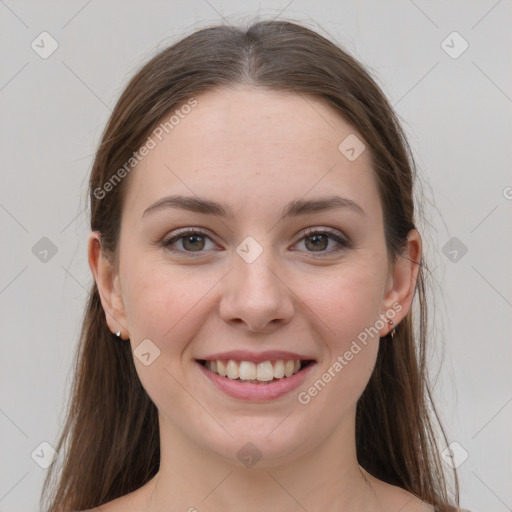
<point x="255" y="285"/>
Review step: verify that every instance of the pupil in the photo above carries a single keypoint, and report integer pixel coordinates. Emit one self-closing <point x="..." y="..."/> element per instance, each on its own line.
<point x="193" y="237"/>
<point x="317" y="242"/>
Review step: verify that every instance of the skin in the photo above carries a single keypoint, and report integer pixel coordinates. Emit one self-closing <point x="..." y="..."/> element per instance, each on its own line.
<point x="255" y="151"/>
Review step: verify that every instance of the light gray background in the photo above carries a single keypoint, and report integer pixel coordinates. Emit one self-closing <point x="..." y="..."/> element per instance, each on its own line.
<point x="456" y="113"/>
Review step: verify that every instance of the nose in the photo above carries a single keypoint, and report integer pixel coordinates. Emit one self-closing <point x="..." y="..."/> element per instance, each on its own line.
<point x="257" y="296"/>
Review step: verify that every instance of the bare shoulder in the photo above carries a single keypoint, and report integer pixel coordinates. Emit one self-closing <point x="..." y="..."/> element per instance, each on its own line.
<point x="132" y="502"/>
<point x="111" y="506"/>
<point x="124" y="504"/>
<point x="396" y="498"/>
<point x="400" y="499"/>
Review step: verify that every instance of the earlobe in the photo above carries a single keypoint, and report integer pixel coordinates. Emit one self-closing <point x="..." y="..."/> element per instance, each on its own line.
<point x="402" y="282"/>
<point x="107" y="281"/>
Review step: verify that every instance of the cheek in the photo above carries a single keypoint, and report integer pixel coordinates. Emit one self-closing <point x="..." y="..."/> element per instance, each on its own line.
<point x="349" y="300"/>
<point x="348" y="310"/>
<point x="348" y="305"/>
<point x="163" y="303"/>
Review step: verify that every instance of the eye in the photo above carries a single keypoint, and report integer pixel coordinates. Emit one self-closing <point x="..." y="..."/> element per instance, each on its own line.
<point x="192" y="241"/>
<point x="318" y="240"/>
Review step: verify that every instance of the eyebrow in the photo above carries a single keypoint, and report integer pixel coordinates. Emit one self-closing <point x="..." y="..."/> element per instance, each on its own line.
<point x="293" y="209"/>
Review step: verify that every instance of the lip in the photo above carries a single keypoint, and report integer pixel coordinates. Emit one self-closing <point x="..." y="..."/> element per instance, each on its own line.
<point x="245" y="355"/>
<point x="257" y="392"/>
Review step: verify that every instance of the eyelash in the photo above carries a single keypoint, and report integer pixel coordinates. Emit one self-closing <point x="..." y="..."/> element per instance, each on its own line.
<point x="342" y="242"/>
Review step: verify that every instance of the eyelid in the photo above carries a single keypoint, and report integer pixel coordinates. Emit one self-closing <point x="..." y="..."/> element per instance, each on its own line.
<point x="322" y="230"/>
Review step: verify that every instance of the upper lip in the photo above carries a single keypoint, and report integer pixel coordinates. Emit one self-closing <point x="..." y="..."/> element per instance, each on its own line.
<point x="256" y="357"/>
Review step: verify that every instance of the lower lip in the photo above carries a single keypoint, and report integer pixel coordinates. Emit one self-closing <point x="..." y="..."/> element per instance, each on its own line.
<point x="257" y="392"/>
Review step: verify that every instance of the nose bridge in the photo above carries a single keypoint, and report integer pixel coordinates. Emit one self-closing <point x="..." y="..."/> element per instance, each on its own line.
<point x="256" y="293"/>
<point x="255" y="268"/>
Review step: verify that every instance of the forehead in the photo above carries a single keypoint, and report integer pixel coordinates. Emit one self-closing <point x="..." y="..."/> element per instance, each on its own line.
<point x="252" y="147"/>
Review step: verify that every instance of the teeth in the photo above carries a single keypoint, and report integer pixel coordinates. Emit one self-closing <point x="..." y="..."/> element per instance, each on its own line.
<point x="279" y="369"/>
<point x="232" y="370"/>
<point x="247" y="370"/>
<point x="221" y="368"/>
<point x="265" y="371"/>
<point x="288" y="368"/>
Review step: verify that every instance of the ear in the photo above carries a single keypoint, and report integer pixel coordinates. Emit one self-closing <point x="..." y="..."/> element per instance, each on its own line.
<point x="107" y="281"/>
<point x="402" y="282"/>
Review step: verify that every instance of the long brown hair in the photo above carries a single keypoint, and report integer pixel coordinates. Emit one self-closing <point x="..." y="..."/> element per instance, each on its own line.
<point x="109" y="444"/>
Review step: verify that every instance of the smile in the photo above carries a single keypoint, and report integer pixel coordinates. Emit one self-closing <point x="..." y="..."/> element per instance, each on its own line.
<point x="255" y="373"/>
<point x="256" y="381"/>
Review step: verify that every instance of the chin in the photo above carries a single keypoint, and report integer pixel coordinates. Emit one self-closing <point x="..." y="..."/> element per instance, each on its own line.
<point x="264" y="441"/>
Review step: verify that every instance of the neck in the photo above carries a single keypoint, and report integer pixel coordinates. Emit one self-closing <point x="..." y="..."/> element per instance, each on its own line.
<point x="194" y="479"/>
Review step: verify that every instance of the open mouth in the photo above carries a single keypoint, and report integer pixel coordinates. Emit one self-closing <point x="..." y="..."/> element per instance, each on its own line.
<point x="265" y="372"/>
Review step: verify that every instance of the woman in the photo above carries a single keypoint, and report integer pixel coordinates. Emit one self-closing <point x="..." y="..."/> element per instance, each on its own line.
<point x="249" y="341"/>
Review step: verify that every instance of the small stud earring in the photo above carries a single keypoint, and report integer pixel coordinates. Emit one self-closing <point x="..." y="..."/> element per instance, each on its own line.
<point x="118" y="334"/>
<point x="392" y="332"/>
